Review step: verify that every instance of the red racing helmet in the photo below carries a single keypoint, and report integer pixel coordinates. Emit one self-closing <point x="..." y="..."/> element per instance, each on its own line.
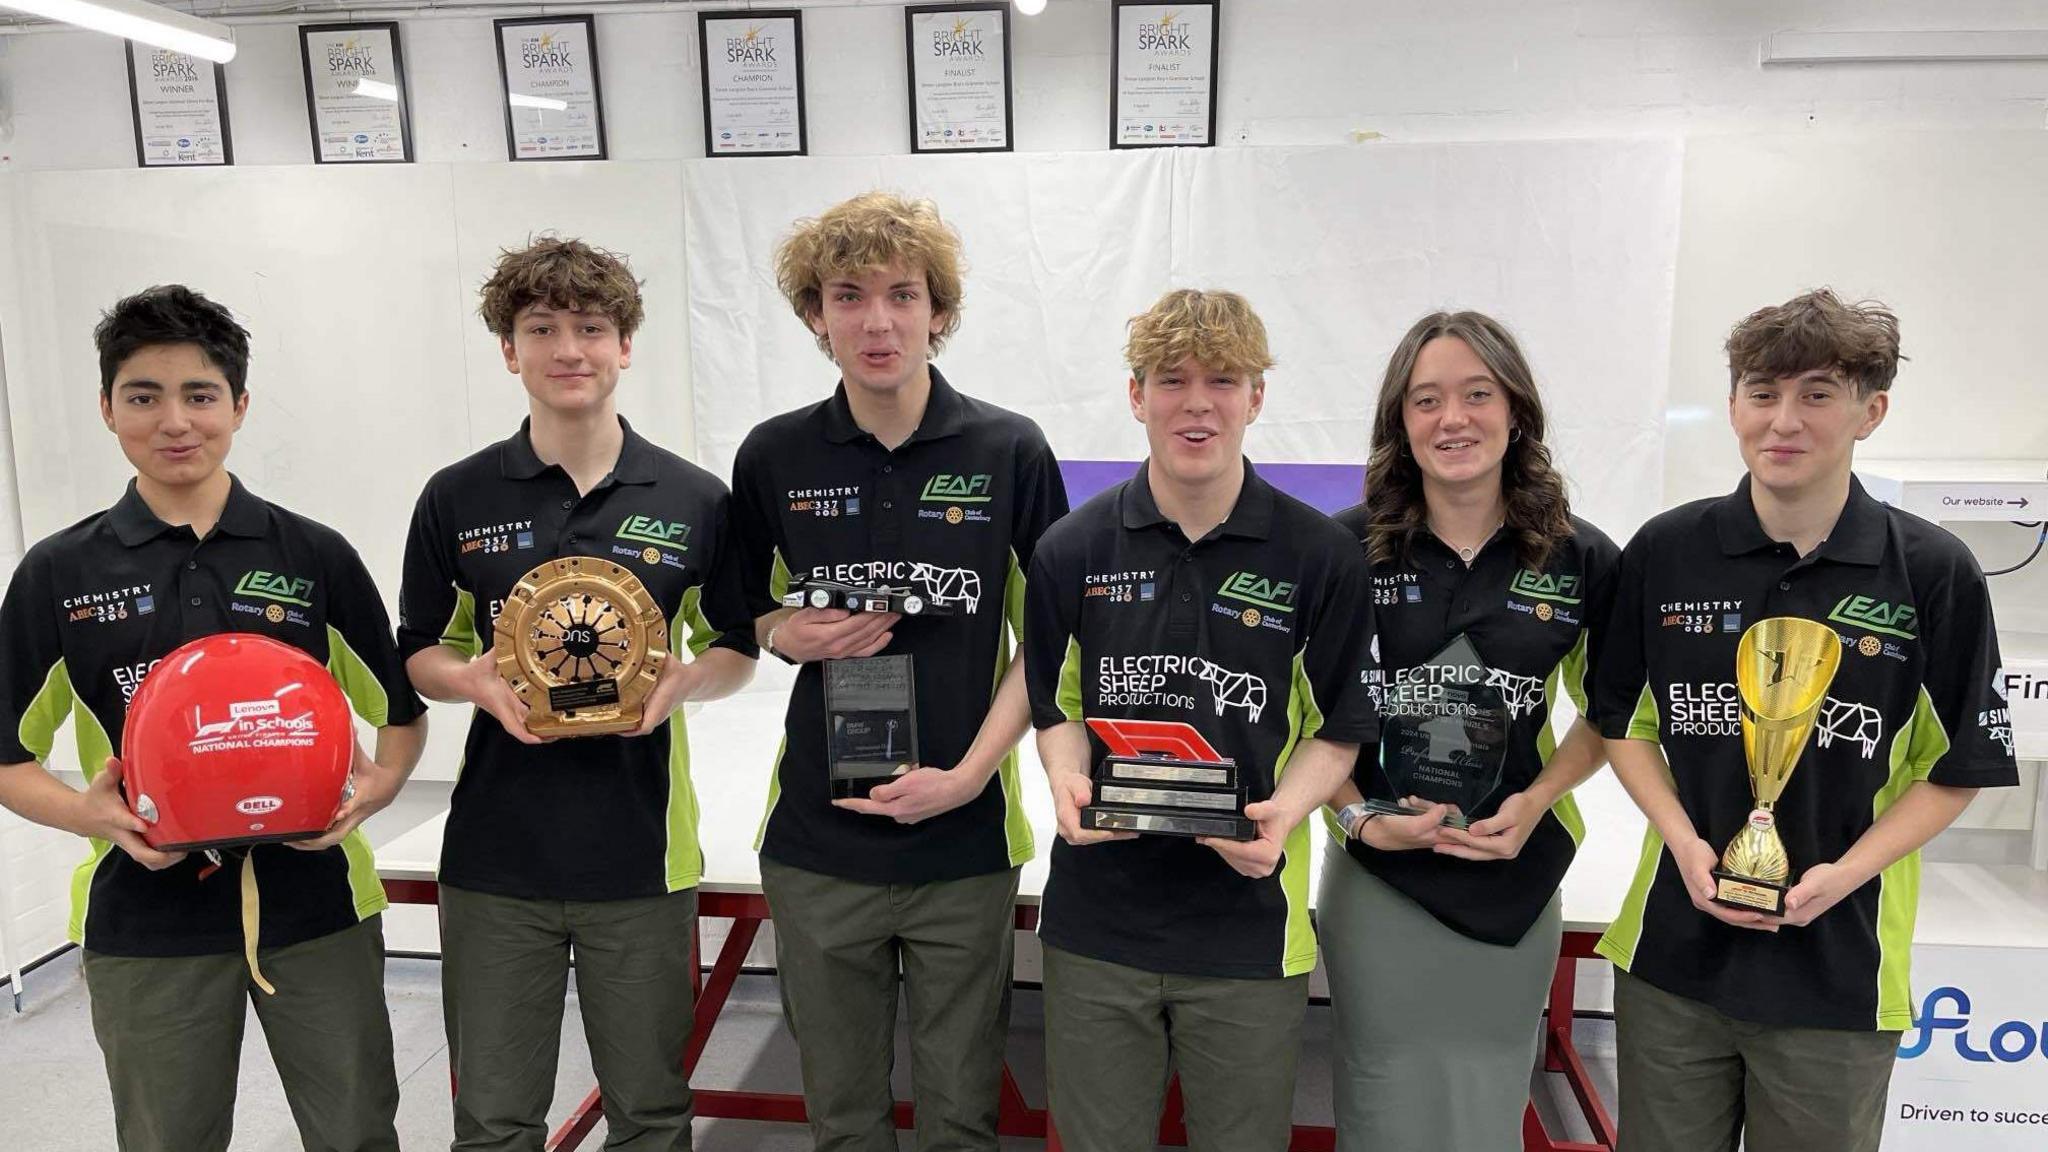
<point x="233" y="739"/>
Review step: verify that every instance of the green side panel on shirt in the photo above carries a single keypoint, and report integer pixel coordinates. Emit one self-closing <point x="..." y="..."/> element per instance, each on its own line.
<point x="1069" y="695"/>
<point x="94" y="747"/>
<point x="364" y="691"/>
<point x="460" y="631"/>
<point x="1016" y="824"/>
<point x="1304" y="720"/>
<point x="1566" y="809"/>
<point x="685" y="856"/>
<point x="691" y="617"/>
<point x="774" y="791"/>
<point x="37" y="731"/>
<point x="1915" y="750"/>
<point x="365" y="889"/>
<point x="778" y="578"/>
<point x="1619" y="942"/>
<point x="1645" y="724"/>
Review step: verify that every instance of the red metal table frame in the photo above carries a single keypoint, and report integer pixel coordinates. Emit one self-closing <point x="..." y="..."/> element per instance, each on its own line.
<point x="1016" y="1117"/>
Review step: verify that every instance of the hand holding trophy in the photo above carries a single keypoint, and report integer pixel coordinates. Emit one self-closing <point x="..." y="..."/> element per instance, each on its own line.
<point x="582" y="642"/>
<point x="1783" y="667"/>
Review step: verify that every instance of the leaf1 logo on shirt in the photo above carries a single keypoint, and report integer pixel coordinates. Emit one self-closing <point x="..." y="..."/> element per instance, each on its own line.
<point x="947" y="488"/>
<point x="648" y="530"/>
<point x="274" y="586"/>
<point x="1259" y="591"/>
<point x="1543" y="586"/>
<point x="1877" y="615"/>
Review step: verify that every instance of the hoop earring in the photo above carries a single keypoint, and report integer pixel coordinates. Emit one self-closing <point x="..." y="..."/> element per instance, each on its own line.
<point x="1515" y="435"/>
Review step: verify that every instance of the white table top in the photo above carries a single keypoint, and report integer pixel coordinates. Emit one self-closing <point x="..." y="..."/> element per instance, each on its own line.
<point x="733" y="741"/>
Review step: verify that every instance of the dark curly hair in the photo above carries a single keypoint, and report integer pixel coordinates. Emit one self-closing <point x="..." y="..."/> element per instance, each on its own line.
<point x="1817" y="331"/>
<point x="171" y="314"/>
<point x="1538" y="512"/>
<point x="560" y="274"/>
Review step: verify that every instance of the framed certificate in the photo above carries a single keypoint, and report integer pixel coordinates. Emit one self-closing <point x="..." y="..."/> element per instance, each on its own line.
<point x="547" y="66"/>
<point x="1162" y="74"/>
<point x="180" y="104"/>
<point x="355" y="93"/>
<point x="753" y="83"/>
<point x="959" y="67"/>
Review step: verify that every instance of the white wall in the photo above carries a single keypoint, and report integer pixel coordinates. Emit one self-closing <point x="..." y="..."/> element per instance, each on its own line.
<point x="1293" y="72"/>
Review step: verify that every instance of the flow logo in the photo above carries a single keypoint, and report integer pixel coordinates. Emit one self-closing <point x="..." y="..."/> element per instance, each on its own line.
<point x="2010" y="1042"/>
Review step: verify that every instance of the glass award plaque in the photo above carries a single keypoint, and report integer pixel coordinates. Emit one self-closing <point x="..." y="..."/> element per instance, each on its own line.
<point x="1443" y="735"/>
<point x="581" y="641"/>
<point x="870" y="722"/>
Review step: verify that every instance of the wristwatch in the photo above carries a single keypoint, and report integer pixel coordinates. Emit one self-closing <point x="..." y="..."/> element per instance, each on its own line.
<point x="1352" y="817"/>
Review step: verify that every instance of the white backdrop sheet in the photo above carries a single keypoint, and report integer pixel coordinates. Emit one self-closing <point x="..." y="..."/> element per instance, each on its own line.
<point x="1573" y="244"/>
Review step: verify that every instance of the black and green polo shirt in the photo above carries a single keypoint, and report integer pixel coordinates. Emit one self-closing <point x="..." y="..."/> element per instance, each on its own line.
<point x="1530" y="628"/>
<point x="1255" y="637"/>
<point x="92" y="608"/>
<point x="588" y="817"/>
<point x="1914" y="699"/>
<point x="956" y="511"/>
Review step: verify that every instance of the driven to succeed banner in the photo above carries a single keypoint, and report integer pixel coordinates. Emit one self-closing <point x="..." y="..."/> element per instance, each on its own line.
<point x="1972" y="1074"/>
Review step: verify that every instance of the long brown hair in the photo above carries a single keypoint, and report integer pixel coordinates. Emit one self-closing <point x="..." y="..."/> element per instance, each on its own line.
<point x="1538" y="512"/>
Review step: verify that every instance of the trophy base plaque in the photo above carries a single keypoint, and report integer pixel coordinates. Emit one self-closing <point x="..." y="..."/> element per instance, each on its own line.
<point x="1749" y="894"/>
<point x="870" y="722"/>
<point x="1452" y="819"/>
<point x="1165" y="796"/>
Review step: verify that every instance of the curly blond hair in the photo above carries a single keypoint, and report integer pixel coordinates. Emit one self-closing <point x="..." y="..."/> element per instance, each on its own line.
<point x="565" y="274"/>
<point x="872" y="230"/>
<point x="1218" y="329"/>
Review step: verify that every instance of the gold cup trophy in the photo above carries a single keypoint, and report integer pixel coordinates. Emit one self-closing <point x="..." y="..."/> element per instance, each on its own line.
<point x="581" y="641"/>
<point x="1783" y="667"/>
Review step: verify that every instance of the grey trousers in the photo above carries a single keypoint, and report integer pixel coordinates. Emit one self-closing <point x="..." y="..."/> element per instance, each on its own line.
<point x="1437" y="1033"/>
<point x="838" y="947"/>
<point x="504" y="977"/>
<point x="1695" y="1080"/>
<point x="1113" y="1034"/>
<point x="170" y="1028"/>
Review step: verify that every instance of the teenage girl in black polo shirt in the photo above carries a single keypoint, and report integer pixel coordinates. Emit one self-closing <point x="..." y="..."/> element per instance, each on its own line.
<point x="1441" y="941"/>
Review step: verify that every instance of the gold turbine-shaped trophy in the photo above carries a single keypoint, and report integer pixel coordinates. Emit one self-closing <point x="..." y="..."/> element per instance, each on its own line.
<point x="582" y="642"/>
<point x="1783" y="667"/>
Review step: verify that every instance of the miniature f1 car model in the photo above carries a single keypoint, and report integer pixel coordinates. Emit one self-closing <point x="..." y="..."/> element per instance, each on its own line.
<point x="810" y="593"/>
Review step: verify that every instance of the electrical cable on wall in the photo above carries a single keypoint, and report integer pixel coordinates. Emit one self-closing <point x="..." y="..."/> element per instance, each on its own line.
<point x="2040" y="539"/>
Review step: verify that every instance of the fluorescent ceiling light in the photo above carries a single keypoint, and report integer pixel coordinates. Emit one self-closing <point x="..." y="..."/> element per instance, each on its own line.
<point x="1902" y="47"/>
<point x="1030" y="7"/>
<point x="136" y="20"/>
<point x="376" y="89"/>
<point x="544" y="103"/>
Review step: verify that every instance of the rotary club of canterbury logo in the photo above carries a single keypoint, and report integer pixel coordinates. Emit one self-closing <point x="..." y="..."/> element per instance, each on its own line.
<point x="1251" y="617"/>
<point x="1544" y="612"/>
<point x="954" y="515"/>
<point x="274" y="613"/>
<point x="1870" y="646"/>
<point x="650" y="555"/>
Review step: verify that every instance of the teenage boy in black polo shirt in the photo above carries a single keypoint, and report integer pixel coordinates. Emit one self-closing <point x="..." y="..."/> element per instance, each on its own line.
<point x="1734" y="1025"/>
<point x="89" y="611"/>
<point x="588" y="842"/>
<point x="896" y="479"/>
<point x="1197" y="597"/>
